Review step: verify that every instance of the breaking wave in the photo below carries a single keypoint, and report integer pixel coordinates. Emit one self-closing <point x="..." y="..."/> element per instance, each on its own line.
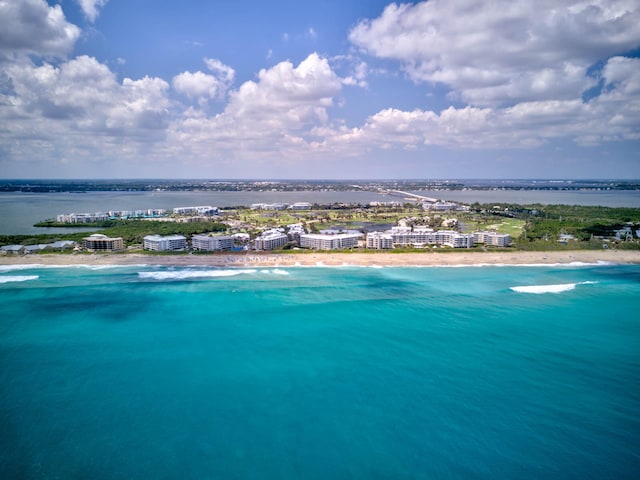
<point x="18" y="278"/>
<point x="275" y="271"/>
<point x="189" y="274"/>
<point x="559" y="288"/>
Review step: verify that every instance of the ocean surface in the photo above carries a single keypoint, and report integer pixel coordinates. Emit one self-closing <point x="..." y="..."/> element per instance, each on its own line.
<point x="320" y="373"/>
<point x="20" y="211"/>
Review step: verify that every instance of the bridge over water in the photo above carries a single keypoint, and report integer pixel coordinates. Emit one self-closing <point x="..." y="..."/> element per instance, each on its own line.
<point x="413" y="196"/>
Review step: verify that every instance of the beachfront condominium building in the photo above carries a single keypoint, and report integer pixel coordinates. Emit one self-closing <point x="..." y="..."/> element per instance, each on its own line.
<point x="168" y="243"/>
<point x="269" y="206"/>
<point x="493" y="239"/>
<point x="421" y="236"/>
<point x="318" y="241"/>
<point x="301" y="206"/>
<point x="101" y="243"/>
<point x="202" y="210"/>
<point x="271" y="240"/>
<point x="379" y="240"/>
<point x="82" y="217"/>
<point x="211" y="243"/>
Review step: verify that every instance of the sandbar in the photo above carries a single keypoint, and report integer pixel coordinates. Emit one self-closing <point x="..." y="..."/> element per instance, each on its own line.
<point x="383" y="259"/>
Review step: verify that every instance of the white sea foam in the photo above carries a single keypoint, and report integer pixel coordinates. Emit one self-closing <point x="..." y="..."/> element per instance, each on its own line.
<point x="13" y="268"/>
<point x="559" y="288"/>
<point x="106" y="267"/>
<point x="188" y="274"/>
<point x="18" y="278"/>
<point x="599" y="263"/>
<point x="40" y="266"/>
<point x="278" y="271"/>
<point x="275" y="271"/>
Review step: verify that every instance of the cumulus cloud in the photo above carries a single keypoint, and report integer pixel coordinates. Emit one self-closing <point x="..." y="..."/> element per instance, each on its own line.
<point x="358" y="76"/>
<point x="267" y="116"/>
<point x="502" y="52"/>
<point x="83" y="96"/>
<point x="91" y="8"/>
<point x="612" y="116"/>
<point x="519" y="72"/>
<point x="34" y="27"/>
<point x="202" y="86"/>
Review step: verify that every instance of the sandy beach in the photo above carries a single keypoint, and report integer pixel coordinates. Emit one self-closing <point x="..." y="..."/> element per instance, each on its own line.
<point x="384" y="259"/>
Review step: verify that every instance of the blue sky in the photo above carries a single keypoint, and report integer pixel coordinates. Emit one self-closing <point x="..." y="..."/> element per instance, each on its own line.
<point x="331" y="89"/>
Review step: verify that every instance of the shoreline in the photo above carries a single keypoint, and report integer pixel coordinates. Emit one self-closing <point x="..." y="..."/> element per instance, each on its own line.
<point x="382" y="259"/>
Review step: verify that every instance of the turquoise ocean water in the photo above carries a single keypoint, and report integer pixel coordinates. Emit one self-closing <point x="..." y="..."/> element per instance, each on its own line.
<point x="438" y="373"/>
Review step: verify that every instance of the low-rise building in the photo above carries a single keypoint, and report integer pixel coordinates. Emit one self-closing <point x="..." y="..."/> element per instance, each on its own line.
<point x="62" y="244"/>
<point x="36" y="248"/>
<point x="211" y="243"/>
<point x="99" y="242"/>
<point x="318" y="241"/>
<point x="167" y="243"/>
<point x="12" y="249"/>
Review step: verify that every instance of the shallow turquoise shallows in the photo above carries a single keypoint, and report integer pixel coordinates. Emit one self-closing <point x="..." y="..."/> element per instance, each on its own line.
<point x="320" y="373"/>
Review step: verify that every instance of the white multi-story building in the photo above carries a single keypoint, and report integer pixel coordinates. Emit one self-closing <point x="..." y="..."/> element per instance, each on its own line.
<point x="294" y="231"/>
<point x="493" y="239"/>
<point x="82" y="217"/>
<point x="420" y="236"/>
<point x="269" y="206"/>
<point x="270" y="240"/>
<point x="459" y="240"/>
<point x="406" y="236"/>
<point x="338" y="241"/>
<point x="440" y="206"/>
<point x="159" y="243"/>
<point x="301" y="206"/>
<point x="202" y="210"/>
<point x="211" y="242"/>
<point x="379" y="240"/>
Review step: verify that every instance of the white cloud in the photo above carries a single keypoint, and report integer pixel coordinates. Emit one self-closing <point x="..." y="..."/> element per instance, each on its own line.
<point x="91" y="8"/>
<point x="358" y="76"/>
<point x="34" y="27"/>
<point x="523" y="90"/>
<point x="224" y="72"/>
<point x="202" y="86"/>
<point x="82" y="101"/>
<point x="502" y="52"/>
<point x="268" y="117"/>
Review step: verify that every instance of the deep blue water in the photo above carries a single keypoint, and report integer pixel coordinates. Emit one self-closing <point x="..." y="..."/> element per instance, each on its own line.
<point x="438" y="373"/>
